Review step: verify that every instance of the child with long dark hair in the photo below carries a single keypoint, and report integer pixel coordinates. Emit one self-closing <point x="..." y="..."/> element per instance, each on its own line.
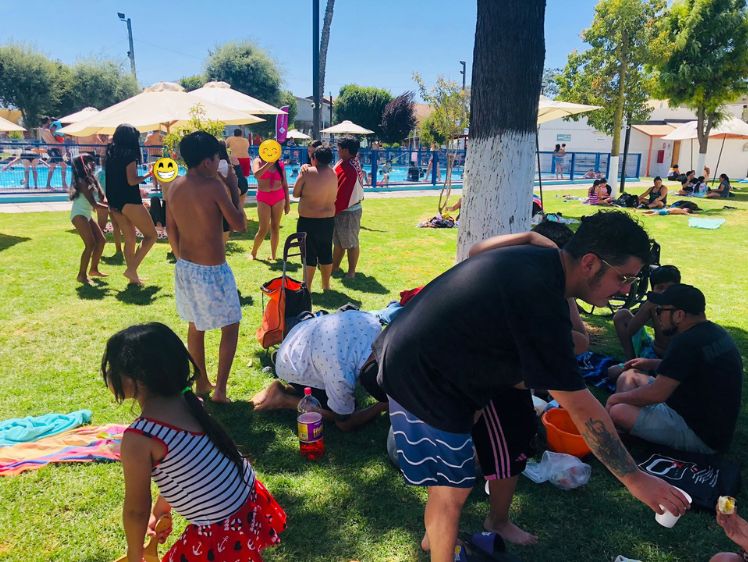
<point x="86" y="195"/>
<point x="123" y="155"/>
<point x="197" y="467"/>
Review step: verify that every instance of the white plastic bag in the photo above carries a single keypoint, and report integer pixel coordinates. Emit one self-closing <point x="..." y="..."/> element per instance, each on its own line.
<point x="563" y="471"/>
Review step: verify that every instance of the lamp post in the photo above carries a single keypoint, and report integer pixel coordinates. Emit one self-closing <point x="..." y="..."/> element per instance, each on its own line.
<point x="315" y="70"/>
<point x="131" y="52"/>
<point x="462" y="62"/>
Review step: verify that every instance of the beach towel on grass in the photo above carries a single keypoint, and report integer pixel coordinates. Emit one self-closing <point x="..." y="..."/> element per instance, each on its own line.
<point x="709" y="224"/>
<point x="84" y="444"/>
<point x="594" y="369"/>
<point x="25" y="430"/>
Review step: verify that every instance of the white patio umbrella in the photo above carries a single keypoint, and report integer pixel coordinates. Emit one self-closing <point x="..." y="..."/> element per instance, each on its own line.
<point x="163" y="105"/>
<point x="8" y="126"/>
<point x="347" y="128"/>
<point x="79" y="115"/>
<point x="221" y="93"/>
<point x="550" y="110"/>
<point x="732" y="128"/>
<point x="298" y="135"/>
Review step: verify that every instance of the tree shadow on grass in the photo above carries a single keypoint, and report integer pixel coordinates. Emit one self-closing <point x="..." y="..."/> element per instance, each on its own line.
<point x="332" y="299"/>
<point x="114" y="259"/>
<point x="372" y="229"/>
<point x="233" y="248"/>
<point x="6" y="241"/>
<point x="291" y="267"/>
<point x="364" y="283"/>
<point x="140" y="296"/>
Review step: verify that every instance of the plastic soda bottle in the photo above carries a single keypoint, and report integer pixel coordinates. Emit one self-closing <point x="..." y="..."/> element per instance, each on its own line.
<point x="309" y="427"/>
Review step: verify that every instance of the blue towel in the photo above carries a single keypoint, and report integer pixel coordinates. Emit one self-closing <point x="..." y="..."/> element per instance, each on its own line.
<point x="25" y="430"/>
<point x="594" y="369"/>
<point x="710" y="224"/>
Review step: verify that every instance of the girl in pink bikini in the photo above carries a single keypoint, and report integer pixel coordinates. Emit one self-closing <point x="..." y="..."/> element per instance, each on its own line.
<point x="272" y="201"/>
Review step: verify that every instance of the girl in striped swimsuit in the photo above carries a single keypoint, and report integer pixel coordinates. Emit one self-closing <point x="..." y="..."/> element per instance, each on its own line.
<point x="195" y="464"/>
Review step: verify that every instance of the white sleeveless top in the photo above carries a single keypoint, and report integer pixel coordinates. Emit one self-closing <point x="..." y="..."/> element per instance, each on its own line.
<point x="195" y="477"/>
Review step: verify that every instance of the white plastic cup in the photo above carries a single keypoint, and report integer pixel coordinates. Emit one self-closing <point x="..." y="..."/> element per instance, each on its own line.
<point x="667" y="519"/>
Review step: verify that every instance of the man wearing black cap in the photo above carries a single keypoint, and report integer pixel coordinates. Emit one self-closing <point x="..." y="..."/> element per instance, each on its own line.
<point x="693" y="403"/>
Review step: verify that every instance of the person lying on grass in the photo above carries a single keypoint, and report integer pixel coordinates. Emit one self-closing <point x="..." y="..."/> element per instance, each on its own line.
<point x="330" y="354"/>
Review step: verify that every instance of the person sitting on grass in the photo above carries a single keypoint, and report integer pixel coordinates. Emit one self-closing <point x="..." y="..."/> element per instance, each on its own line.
<point x="736" y="529"/>
<point x="630" y="327"/>
<point x="723" y="190"/>
<point x="330" y="354"/>
<point x="654" y="197"/>
<point x="687" y="183"/>
<point x="694" y="400"/>
<point x="674" y="173"/>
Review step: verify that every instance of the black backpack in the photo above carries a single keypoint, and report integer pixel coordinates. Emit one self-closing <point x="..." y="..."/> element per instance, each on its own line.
<point x="626" y="200"/>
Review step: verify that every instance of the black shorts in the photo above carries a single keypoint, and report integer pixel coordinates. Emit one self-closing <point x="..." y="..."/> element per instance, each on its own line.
<point x="243" y="183"/>
<point x="318" y="393"/>
<point x="504" y="433"/>
<point x="55" y="155"/>
<point x="318" y="239"/>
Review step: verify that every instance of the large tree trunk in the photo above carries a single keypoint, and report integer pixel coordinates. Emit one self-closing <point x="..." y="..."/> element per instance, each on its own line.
<point x="615" y="148"/>
<point x="324" y="41"/>
<point x="505" y="87"/>
<point x="703" y="128"/>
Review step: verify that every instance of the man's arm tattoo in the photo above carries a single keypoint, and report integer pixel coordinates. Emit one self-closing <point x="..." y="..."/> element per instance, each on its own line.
<point x="608" y="448"/>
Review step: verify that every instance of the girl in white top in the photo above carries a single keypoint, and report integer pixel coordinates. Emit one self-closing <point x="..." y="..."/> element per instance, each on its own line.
<point x="195" y="464"/>
<point x="86" y="194"/>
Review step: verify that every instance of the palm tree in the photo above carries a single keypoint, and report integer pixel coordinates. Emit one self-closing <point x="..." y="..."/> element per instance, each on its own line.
<point x="323" y="43"/>
<point x="508" y="61"/>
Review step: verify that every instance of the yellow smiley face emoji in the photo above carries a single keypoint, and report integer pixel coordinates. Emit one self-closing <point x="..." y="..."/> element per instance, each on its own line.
<point x="270" y="150"/>
<point x="165" y="170"/>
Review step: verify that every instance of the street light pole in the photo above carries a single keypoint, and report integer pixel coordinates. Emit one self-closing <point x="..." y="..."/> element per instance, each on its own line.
<point x="131" y="52"/>
<point x="315" y="70"/>
<point x="462" y="62"/>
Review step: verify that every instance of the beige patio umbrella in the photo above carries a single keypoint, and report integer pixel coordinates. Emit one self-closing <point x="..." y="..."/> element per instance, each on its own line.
<point x="298" y="135"/>
<point x="79" y="115"/>
<point x="347" y="128"/>
<point x="550" y="110"/>
<point x="8" y="126"/>
<point x="161" y="106"/>
<point x="221" y="93"/>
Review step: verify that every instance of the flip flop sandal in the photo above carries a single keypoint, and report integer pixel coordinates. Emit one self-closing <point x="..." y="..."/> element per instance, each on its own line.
<point x="488" y="545"/>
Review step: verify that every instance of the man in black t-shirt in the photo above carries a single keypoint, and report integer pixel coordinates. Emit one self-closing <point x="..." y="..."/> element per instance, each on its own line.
<point x="694" y="401"/>
<point x="492" y="325"/>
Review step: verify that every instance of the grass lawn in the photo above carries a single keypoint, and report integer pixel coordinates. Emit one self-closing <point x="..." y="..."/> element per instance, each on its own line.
<point x="352" y="505"/>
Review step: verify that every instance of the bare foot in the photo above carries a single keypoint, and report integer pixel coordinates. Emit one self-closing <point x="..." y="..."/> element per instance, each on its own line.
<point x="133" y="278"/>
<point x="511" y="533"/>
<point x="273" y="397"/>
<point x="97" y="273"/>
<point x="350" y="275"/>
<point x="252" y="257"/>
<point x="220" y="397"/>
<point x="84" y="280"/>
<point x="203" y="389"/>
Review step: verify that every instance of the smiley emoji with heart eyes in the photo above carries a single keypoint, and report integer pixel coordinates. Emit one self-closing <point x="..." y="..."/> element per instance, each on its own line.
<point x="165" y="170"/>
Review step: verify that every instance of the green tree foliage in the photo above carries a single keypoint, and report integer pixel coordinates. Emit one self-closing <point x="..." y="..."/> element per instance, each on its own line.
<point x="398" y="118"/>
<point x="611" y="73"/>
<point x="250" y="70"/>
<point x="94" y="83"/>
<point x="451" y="109"/>
<point x="704" y="62"/>
<point x="27" y="82"/>
<point x="363" y="105"/>
<point x="429" y="133"/>
<point x="193" y="82"/>
<point x="197" y="122"/>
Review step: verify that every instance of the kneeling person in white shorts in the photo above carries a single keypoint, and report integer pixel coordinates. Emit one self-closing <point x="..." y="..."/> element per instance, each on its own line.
<point x="206" y="292"/>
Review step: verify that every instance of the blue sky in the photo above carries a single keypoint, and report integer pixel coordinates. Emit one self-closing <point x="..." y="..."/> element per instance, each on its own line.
<point x="373" y="42"/>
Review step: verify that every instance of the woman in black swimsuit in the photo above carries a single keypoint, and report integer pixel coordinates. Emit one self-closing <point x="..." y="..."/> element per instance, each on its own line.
<point x="123" y="193"/>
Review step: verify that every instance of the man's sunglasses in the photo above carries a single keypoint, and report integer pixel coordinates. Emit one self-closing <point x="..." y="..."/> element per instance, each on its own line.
<point x="624" y="279"/>
<point x="660" y="309"/>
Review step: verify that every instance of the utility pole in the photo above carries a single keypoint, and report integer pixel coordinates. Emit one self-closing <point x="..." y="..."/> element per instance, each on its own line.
<point x="462" y="62"/>
<point x="315" y="70"/>
<point x="131" y="52"/>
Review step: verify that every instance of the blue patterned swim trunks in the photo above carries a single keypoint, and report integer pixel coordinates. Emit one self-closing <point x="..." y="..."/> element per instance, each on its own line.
<point x="206" y="295"/>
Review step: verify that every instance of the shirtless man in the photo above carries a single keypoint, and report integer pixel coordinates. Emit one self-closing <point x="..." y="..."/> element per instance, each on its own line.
<point x="205" y="288"/>
<point x="317" y="188"/>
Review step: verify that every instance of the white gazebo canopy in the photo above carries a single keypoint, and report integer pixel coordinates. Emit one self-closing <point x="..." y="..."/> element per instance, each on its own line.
<point x="347" y="128"/>
<point x="550" y="110"/>
<point x="78" y="115"/>
<point x="161" y="106"/>
<point x="222" y="94"/>
<point x="732" y="128"/>
<point x="8" y="126"/>
<point x="298" y="135"/>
